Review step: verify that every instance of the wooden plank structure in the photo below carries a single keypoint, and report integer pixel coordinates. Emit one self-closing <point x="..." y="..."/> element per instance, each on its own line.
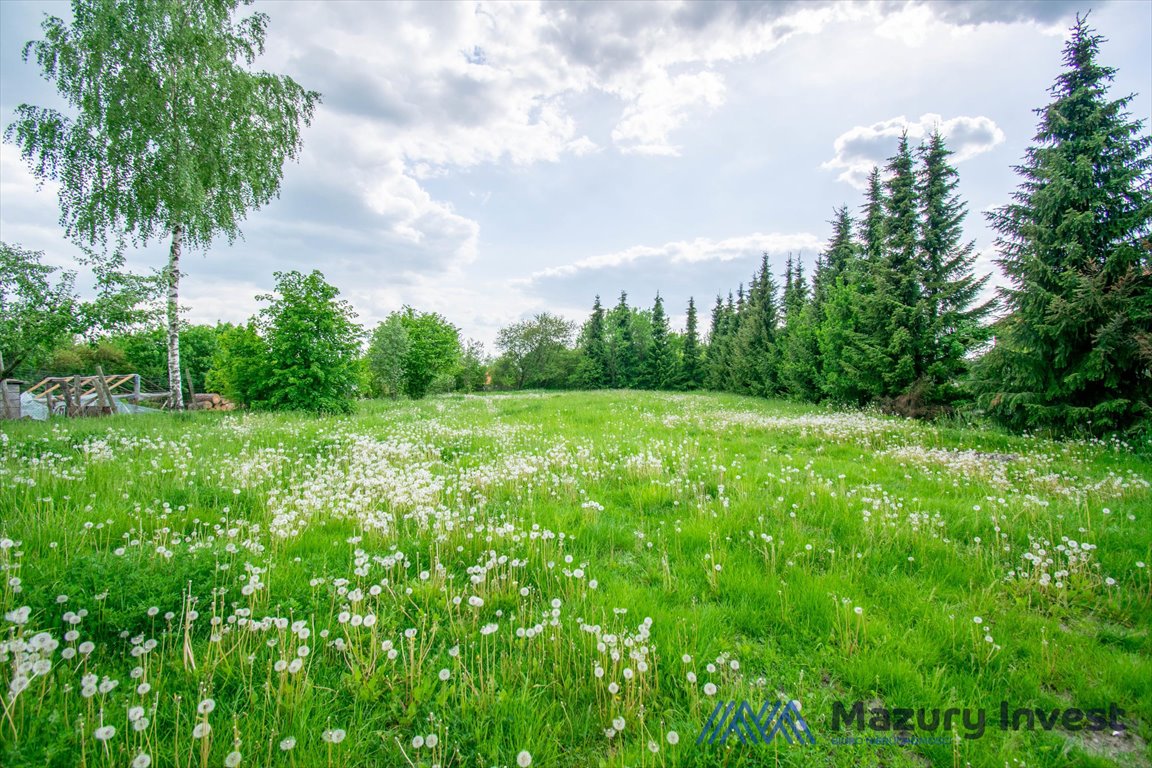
<point x="10" y="398"/>
<point x="97" y="395"/>
<point x="90" y="395"/>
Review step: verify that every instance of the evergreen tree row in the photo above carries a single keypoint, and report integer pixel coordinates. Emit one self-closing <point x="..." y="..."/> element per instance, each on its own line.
<point x="890" y="309"/>
<point x="892" y="312"/>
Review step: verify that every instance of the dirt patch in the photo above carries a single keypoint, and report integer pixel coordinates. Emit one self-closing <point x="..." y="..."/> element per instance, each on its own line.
<point x="1122" y="747"/>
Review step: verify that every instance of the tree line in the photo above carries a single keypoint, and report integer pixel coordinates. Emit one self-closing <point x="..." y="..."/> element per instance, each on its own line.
<point x="889" y="313"/>
<point x="892" y="312"/>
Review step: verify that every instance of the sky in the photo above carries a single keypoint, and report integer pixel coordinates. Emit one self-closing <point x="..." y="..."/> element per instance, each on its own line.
<point x="489" y="161"/>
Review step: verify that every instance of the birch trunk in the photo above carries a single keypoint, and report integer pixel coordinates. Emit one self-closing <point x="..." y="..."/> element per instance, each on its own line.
<point x="175" y="385"/>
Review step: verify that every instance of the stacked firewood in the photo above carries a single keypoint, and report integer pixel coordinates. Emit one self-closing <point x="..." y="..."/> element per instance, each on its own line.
<point x="212" y="402"/>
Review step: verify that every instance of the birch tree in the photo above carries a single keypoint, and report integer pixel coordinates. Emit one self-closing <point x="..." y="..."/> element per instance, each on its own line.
<point x="170" y="132"/>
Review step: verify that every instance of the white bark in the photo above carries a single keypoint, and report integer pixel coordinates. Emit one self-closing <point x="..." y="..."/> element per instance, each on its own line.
<point x="175" y="385"/>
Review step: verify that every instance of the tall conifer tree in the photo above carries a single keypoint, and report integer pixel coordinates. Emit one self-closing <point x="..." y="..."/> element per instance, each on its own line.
<point x="1075" y="352"/>
<point x="659" y="366"/>
<point x="691" y="362"/>
<point x="952" y="319"/>
<point x="899" y="284"/>
<point x="592" y="370"/>
<point x="756" y="357"/>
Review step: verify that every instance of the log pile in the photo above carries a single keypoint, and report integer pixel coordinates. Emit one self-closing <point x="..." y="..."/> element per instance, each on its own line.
<point x="212" y="402"/>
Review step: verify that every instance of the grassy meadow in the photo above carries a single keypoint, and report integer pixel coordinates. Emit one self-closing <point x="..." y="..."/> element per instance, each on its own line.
<point x="568" y="579"/>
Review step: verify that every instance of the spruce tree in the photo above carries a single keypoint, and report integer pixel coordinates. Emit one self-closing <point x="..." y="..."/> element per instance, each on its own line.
<point x="899" y="284"/>
<point x="952" y="320"/>
<point x="718" y="376"/>
<point x="691" y="374"/>
<point x="756" y="351"/>
<point x="800" y="354"/>
<point x="625" y="357"/>
<point x="659" y="366"/>
<point x="872" y="223"/>
<point x="1075" y="352"/>
<point x="834" y="332"/>
<point x="856" y="322"/>
<point x="592" y="370"/>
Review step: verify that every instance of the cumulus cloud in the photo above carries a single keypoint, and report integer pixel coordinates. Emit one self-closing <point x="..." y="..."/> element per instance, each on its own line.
<point x="974" y="12"/>
<point x="701" y="268"/>
<point x="701" y="249"/>
<point x="429" y="91"/>
<point x="860" y="148"/>
<point x="662" y="107"/>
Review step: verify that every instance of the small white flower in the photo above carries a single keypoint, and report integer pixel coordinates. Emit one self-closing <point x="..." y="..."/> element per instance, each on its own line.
<point x="142" y="760"/>
<point x="431" y="740"/>
<point x="334" y="736"/>
<point x="417" y="741"/>
<point x="445" y="674"/>
<point x="709" y="689"/>
<point x="287" y="744"/>
<point x="104" y="732"/>
<point x="232" y="760"/>
<point x="524" y="759"/>
<point x="201" y="730"/>
<point x="673" y="738"/>
<point x="205" y="707"/>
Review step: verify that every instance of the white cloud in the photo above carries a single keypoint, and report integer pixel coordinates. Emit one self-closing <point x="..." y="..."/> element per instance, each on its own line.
<point x="663" y="106"/>
<point x="701" y="249"/>
<point x="860" y="148"/>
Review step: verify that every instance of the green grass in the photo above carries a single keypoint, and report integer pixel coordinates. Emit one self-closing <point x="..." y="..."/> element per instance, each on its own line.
<point x="740" y="533"/>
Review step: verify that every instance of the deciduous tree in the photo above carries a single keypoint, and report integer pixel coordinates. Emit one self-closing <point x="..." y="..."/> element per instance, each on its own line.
<point x="171" y="133"/>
